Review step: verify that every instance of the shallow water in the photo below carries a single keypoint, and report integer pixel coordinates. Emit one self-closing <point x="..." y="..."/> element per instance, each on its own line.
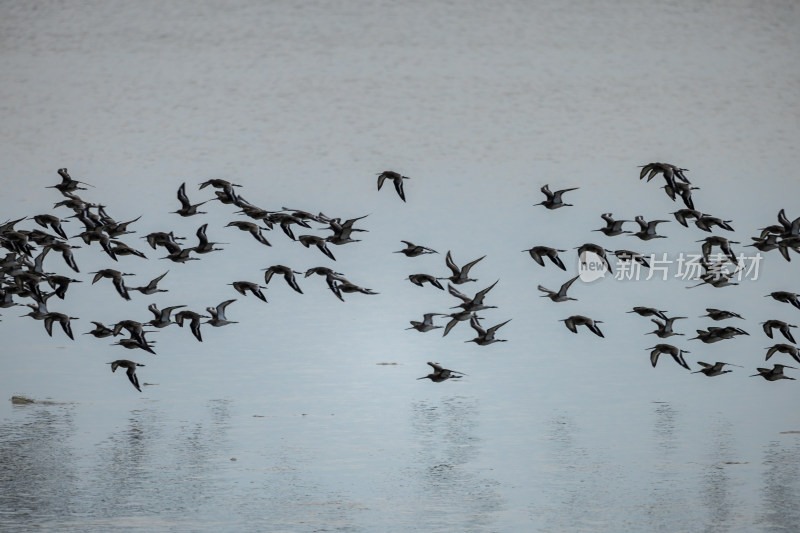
<point x="438" y="469"/>
<point x="291" y="420"/>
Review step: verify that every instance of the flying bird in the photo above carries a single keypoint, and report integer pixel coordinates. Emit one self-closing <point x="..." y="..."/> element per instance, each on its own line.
<point x="162" y="317"/>
<point x="781" y="326"/>
<point x="242" y="287"/>
<point x="773" y="374"/>
<point x="485" y="336"/>
<point x="648" y="311"/>
<point x="676" y="353"/>
<point x="554" y="200"/>
<point x="713" y="370"/>
<point x="397" y="178"/>
<point x="613" y="227"/>
<point x="786" y="297"/>
<point x="538" y="253"/>
<point x="251" y="227"/>
<point x="664" y="329"/>
<point x="720" y="314"/>
<point x="68" y="184"/>
<point x="426" y="324"/>
<point x="476" y="302"/>
<point x="724" y="245"/>
<point x="62" y="319"/>
<point x="194" y="322"/>
<point x="100" y="330"/>
<point x="348" y="288"/>
<point x="561" y="295"/>
<point x="706" y="222"/>
<point x="574" y="321"/>
<point x="319" y="242"/>
<point x="793" y="351"/>
<point x="683" y="216"/>
<point x="116" y="277"/>
<point x="440" y="373"/>
<point x="414" y="250"/>
<point x="286" y="272"/>
<point x="130" y="367"/>
<point x="460" y="275"/>
<point x="419" y="279"/>
<point x="152" y="287"/>
<point x="218" y="314"/>
<point x="669" y="171"/>
<point x="187" y="208"/>
<point x="628" y="255"/>
<point x="647" y="229"/>
<point x="204" y="245"/>
<point x="595" y="249"/>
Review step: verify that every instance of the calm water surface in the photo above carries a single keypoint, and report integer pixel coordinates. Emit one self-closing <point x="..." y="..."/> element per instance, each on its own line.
<point x="221" y="465"/>
<point x="291" y="420"/>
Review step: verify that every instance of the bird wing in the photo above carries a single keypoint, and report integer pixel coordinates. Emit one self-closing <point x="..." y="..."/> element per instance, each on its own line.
<point x="48" y="324"/>
<point x="566" y="286"/>
<point x="195" y="327"/>
<point x="119" y="284"/>
<point x="654" y="356"/>
<point x="290" y="279"/>
<point x="167" y="310"/>
<point x="535" y="256"/>
<point x="594" y="329"/>
<point x="398" y="185"/>
<point x="450" y="325"/>
<point x="201" y="235"/>
<point x="480" y="295"/>
<point x="221" y="308"/>
<point x="680" y="360"/>
<point x="455" y="292"/>
<point x="155" y="281"/>
<point x="448" y="259"/>
<point x="132" y="377"/>
<point x="477" y="326"/>
<point x="325" y="250"/>
<point x="465" y="269"/>
<point x="184" y="200"/>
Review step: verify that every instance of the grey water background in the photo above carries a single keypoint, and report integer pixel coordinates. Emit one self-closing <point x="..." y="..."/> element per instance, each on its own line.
<point x="287" y="421"/>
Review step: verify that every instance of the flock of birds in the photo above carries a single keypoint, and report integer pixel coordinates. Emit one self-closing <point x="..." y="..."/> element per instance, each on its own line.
<point x="23" y="275"/>
<point x="784" y="236"/>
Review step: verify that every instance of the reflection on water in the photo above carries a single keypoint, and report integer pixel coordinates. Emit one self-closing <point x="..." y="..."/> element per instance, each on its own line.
<point x="781" y="485"/>
<point x="453" y="497"/>
<point x="718" y="501"/>
<point x="125" y="471"/>
<point x="37" y="471"/>
<point x="668" y="485"/>
<point x="664" y="429"/>
<point x="212" y="471"/>
<point x="576" y="480"/>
